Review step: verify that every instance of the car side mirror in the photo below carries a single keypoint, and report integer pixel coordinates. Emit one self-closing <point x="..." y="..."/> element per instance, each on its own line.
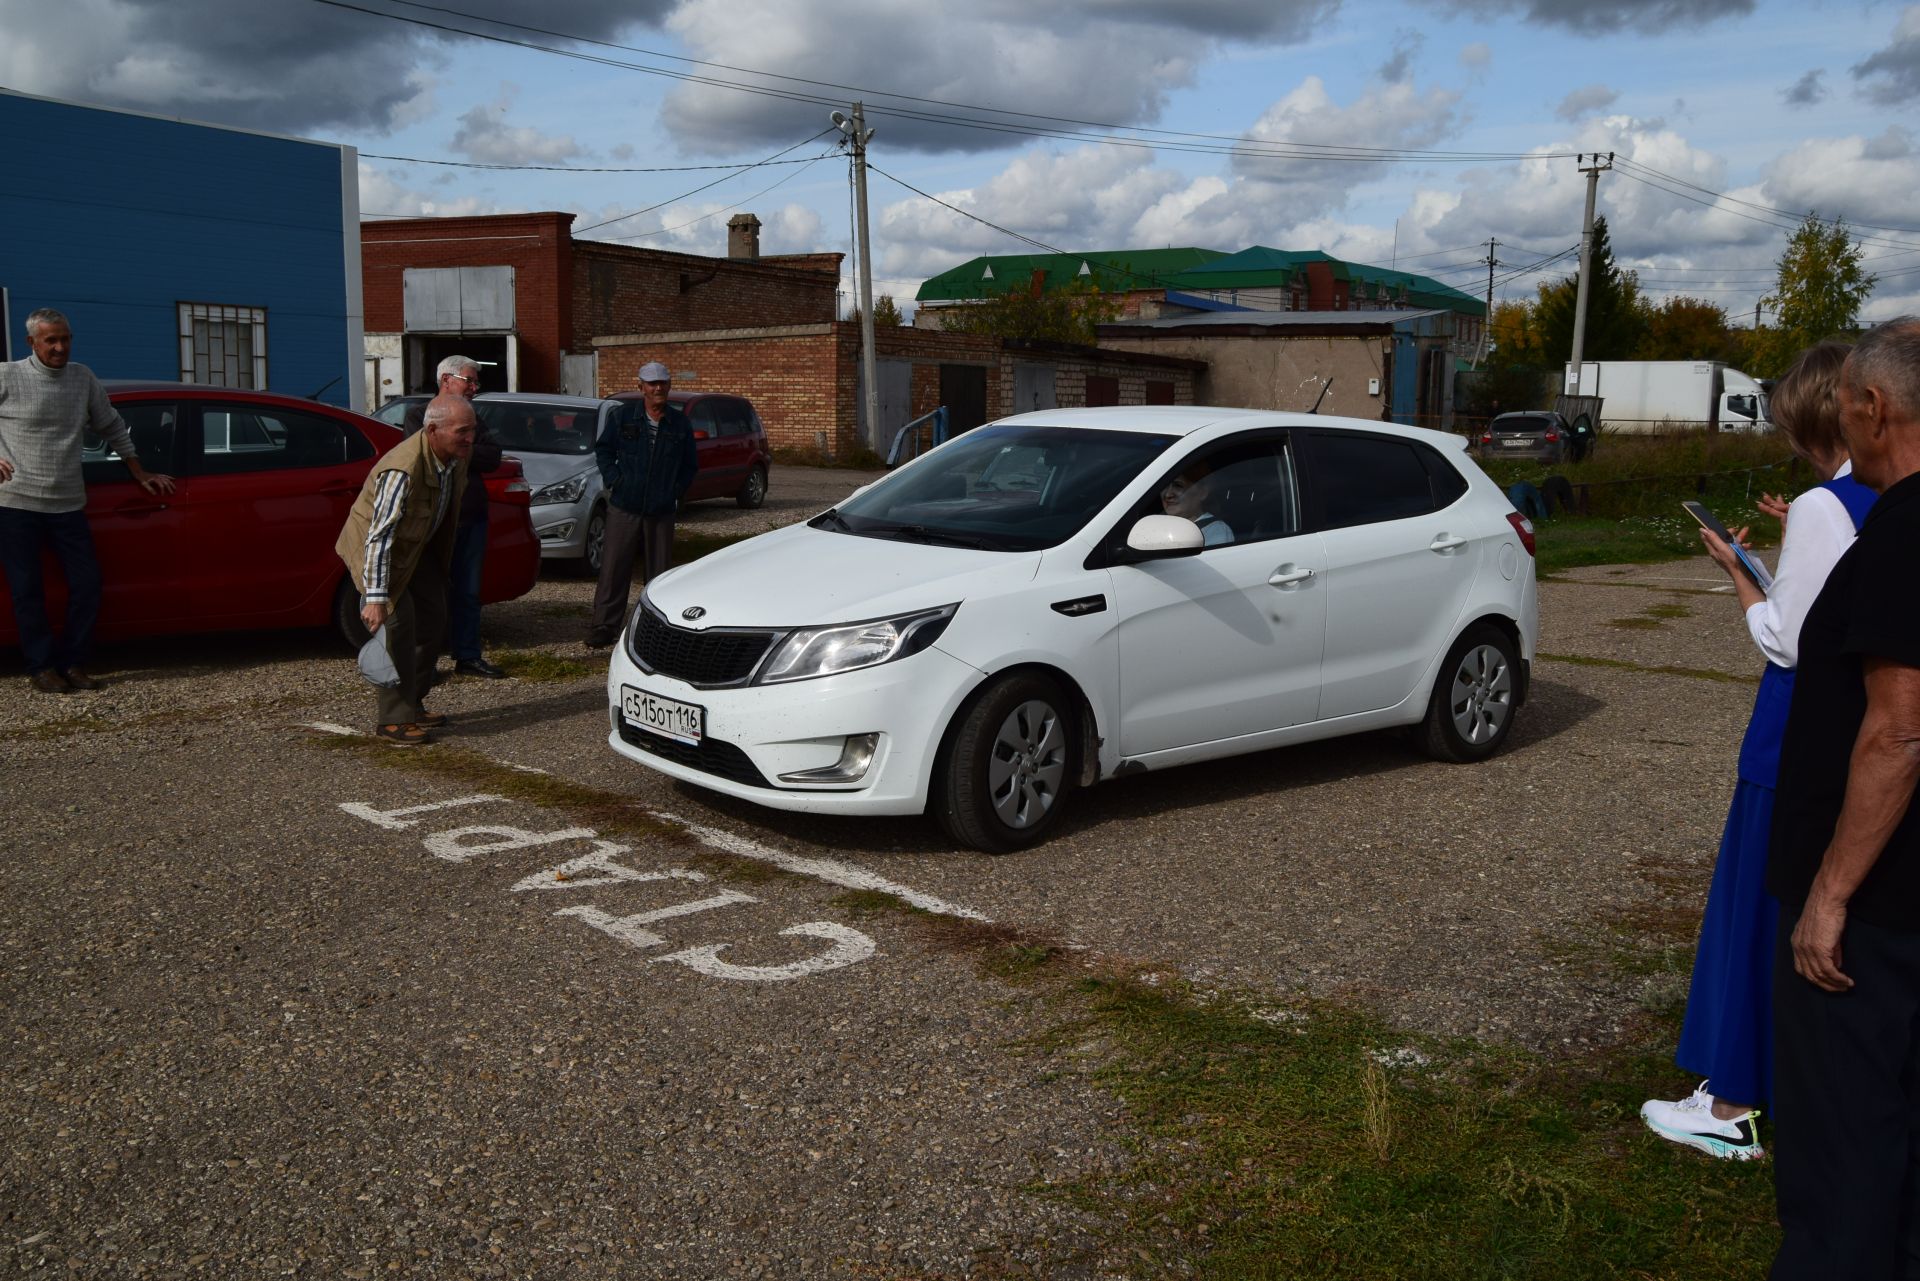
<point x="1163" y="537"/>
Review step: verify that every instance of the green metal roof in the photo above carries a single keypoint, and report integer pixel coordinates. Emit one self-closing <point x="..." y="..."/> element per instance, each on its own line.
<point x="1113" y="270"/>
<point x="1264" y="268"/>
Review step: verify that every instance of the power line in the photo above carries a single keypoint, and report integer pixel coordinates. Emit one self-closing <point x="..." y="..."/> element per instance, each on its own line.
<point x="1011" y="122"/>
<point x="476" y="164"/>
<point x="697" y="190"/>
<point x="643" y="235"/>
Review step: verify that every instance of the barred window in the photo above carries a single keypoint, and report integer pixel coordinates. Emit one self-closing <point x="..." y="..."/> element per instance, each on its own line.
<point x="223" y="346"/>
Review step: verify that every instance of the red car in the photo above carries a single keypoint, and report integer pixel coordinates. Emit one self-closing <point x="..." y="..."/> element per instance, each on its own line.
<point x="246" y="539"/>
<point x="734" y="458"/>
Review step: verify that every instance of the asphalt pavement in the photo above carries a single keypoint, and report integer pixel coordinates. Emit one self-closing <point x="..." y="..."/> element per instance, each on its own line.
<point x="280" y="1002"/>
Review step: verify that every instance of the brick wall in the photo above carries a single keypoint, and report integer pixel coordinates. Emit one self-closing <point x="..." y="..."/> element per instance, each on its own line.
<point x="537" y="246"/>
<point x="804" y="379"/>
<point x="623" y="290"/>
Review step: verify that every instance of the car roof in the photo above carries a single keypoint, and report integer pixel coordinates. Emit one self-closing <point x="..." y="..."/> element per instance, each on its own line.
<point x="1188" y="420"/>
<point x="1528" y="413"/>
<point x="677" y="397"/>
<point x="540" y="398"/>
<point x="211" y="391"/>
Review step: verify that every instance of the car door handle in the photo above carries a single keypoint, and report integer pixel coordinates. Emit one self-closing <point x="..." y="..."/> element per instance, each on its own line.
<point x="1445" y="543"/>
<point x="139" y="509"/>
<point x="1287" y="576"/>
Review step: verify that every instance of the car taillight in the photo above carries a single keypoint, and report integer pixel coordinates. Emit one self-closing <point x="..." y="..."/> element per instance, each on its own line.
<point x="1552" y="436"/>
<point x="1486" y="438"/>
<point x="1523" y="527"/>
<point x="515" y="487"/>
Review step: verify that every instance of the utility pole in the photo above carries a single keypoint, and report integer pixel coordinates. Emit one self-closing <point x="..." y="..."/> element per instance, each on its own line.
<point x="858" y="136"/>
<point x="1586" y="258"/>
<point x="1486" y="325"/>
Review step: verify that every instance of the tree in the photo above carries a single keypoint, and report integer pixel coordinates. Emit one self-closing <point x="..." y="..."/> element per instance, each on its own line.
<point x="886" y="313"/>
<point x="1817" y="294"/>
<point x="1615" y="314"/>
<point x="1684" y="328"/>
<point x="1063" y="315"/>
<point x="1515" y="340"/>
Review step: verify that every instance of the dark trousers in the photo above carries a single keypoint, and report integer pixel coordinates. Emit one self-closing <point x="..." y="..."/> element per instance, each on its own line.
<point x="1846" y="1131"/>
<point x="463" y="590"/>
<point x="648" y="539"/>
<point x="22" y="535"/>
<point x="416" y="632"/>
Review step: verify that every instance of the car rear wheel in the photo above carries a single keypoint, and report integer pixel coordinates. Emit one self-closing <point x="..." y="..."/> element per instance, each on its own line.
<point x="346" y="615"/>
<point x="754" y="491"/>
<point x="1008" y="766"/>
<point x="1473" y="699"/>
<point x="593" y="546"/>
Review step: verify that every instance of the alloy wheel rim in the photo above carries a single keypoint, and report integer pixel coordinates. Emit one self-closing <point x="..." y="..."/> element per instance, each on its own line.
<point x="1482" y="694"/>
<point x="1027" y="764"/>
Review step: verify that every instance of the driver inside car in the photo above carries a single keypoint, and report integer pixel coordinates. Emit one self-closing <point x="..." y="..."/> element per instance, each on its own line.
<point x="1188" y="495"/>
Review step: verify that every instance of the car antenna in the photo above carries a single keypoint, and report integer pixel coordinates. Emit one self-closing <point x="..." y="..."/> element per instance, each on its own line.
<point x="1325" y="387"/>
<point x="315" y="395"/>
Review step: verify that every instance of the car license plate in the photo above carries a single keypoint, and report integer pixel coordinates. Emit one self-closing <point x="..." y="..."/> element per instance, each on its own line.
<point x="1515" y="442"/>
<point x="667" y="717"/>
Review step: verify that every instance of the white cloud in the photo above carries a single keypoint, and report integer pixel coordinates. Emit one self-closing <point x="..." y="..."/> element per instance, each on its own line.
<point x="1476" y="57"/>
<point x="485" y="137"/>
<point x="1892" y="76"/>
<point x="1584" y="102"/>
<point x="381" y="193"/>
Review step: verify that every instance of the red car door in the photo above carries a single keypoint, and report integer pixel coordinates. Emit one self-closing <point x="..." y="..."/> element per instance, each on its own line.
<point x="268" y="490"/>
<point x="136" y="535"/>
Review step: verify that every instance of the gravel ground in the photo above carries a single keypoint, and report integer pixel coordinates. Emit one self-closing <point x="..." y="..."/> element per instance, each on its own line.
<point x="251" y="1035"/>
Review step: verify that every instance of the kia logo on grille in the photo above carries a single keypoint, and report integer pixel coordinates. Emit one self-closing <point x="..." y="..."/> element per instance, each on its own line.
<point x="692" y="612"/>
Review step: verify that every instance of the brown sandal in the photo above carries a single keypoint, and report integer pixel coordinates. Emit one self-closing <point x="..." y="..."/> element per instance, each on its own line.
<point x="408" y="735"/>
<point x="431" y="720"/>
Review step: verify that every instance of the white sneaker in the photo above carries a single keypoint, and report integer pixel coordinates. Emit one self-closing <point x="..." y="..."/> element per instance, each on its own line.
<point x="1691" y="1121"/>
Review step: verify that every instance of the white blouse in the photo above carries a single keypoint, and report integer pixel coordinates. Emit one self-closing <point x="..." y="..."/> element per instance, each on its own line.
<point x="1819" y="531"/>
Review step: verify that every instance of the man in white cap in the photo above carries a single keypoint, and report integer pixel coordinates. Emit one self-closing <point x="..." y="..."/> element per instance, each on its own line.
<point x="647" y="459"/>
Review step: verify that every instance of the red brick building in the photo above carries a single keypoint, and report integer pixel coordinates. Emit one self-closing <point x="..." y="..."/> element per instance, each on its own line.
<point x="805" y="379"/>
<point x="519" y="293"/>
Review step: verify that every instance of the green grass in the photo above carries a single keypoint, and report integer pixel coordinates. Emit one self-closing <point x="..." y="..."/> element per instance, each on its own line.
<point x="1327" y="1145"/>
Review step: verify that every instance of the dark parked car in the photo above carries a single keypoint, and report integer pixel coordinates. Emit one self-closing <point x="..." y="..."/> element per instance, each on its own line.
<point x="246" y="540"/>
<point x="1538" y="433"/>
<point x="734" y="458"/>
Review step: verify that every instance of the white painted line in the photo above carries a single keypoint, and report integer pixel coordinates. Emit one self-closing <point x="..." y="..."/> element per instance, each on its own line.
<point x="849" y="946"/>
<point x="822" y="869"/>
<point x="328" y="727"/>
<point x="397" y="820"/>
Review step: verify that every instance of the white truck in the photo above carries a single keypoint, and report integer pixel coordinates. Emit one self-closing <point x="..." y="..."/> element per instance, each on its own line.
<point x="1648" y="396"/>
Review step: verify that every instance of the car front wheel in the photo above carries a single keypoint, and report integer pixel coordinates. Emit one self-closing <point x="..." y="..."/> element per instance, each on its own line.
<point x="754" y="491"/>
<point x="1473" y="699"/>
<point x="1004" y="778"/>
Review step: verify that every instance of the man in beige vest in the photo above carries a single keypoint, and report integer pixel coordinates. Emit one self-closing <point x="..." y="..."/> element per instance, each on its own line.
<point x="397" y="543"/>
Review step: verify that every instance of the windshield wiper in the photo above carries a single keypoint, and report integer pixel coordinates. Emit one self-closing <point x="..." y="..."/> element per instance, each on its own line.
<point x="920" y="533"/>
<point x="831" y="519"/>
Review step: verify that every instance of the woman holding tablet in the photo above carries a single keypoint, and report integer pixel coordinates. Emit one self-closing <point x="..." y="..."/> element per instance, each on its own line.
<point x="1727" y="1037"/>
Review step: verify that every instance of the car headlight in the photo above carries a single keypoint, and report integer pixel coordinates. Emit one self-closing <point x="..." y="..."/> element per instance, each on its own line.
<point x="562" y="491"/>
<point x="824" y="651"/>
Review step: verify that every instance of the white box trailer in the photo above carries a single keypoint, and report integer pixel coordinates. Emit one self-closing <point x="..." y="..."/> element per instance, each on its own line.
<point x="1648" y="396"/>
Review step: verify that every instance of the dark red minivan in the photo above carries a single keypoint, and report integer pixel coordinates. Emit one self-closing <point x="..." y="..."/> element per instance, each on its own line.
<point x="246" y="540"/>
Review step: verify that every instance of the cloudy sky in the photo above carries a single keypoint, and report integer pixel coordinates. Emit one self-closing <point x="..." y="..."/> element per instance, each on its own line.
<point x="1404" y="132"/>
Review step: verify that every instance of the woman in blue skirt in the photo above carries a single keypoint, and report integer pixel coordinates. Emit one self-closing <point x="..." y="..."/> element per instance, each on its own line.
<point x="1727" y="1037"/>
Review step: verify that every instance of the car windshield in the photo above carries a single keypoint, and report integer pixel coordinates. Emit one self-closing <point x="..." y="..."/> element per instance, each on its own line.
<point x="531" y="427"/>
<point x="1523" y="422"/>
<point x="1000" y="488"/>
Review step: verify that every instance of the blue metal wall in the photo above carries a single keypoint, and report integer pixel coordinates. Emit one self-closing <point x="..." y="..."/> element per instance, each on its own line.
<point x="115" y="219"/>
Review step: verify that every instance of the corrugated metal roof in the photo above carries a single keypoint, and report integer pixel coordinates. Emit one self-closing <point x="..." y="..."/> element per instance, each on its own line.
<point x="1261" y="267"/>
<point x="1278" y="320"/>
<point x="1113" y="270"/>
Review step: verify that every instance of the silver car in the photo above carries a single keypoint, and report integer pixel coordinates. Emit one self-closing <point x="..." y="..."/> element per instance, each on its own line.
<point x="553" y="438"/>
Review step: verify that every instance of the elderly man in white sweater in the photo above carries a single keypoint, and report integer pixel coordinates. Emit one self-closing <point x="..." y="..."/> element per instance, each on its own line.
<point x="47" y="405"/>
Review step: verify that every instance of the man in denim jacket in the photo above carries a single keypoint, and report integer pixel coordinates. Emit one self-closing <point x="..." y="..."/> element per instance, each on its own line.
<point x="647" y="459"/>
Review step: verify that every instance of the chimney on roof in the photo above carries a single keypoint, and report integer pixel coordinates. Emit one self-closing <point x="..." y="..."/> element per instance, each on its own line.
<point x="743" y="236"/>
<point x="1038" y="284"/>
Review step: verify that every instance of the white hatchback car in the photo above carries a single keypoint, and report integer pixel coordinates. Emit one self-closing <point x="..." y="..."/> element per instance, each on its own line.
<point x="1078" y="594"/>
